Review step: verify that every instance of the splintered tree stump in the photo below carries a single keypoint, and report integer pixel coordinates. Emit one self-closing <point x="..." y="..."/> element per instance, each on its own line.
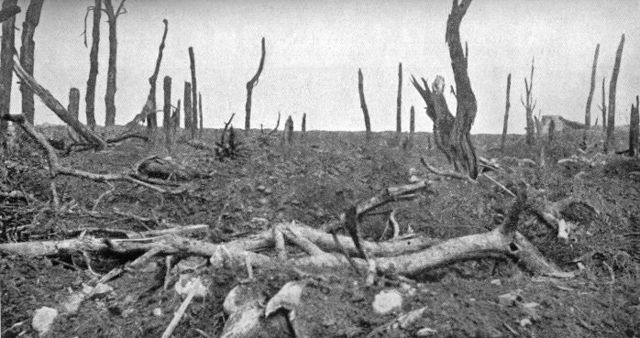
<point x="303" y="125"/>
<point x="287" y="137"/>
<point x="73" y="108"/>
<point x="592" y="88"/>
<point x="363" y="104"/>
<point x="529" y="105"/>
<point x="188" y="116"/>
<point x="110" y="96"/>
<point x="634" y="129"/>
<point x="194" y="94"/>
<point x="399" y="102"/>
<point x="6" y="73"/>
<point x="505" y="124"/>
<point x="166" y="120"/>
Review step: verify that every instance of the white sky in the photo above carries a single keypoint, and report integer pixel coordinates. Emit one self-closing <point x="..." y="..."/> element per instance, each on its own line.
<point x="314" y="49"/>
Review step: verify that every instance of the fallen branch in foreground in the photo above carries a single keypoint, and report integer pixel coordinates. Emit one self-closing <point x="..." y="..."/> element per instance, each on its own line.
<point x="55" y="168"/>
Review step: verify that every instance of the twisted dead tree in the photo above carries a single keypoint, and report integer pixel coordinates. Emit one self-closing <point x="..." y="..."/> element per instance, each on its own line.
<point x="110" y="96"/>
<point x="90" y="95"/>
<point x="252" y="84"/>
<point x="587" y="113"/>
<point x="611" y="118"/>
<point x="529" y="106"/>
<point x="6" y="65"/>
<point x="363" y="104"/>
<point x="452" y="135"/>
<point x="505" y="124"/>
<point x="27" y="52"/>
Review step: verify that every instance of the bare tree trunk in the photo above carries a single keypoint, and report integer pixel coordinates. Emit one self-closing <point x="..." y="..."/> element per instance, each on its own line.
<point x="166" y="118"/>
<point x="587" y="113"/>
<point x="304" y="124"/>
<point x="74" y="103"/>
<point x="27" y="53"/>
<point x="505" y="124"/>
<point x="57" y="108"/>
<point x="412" y="121"/>
<point x="250" y="85"/>
<point x="200" y="113"/>
<point x="611" y="119"/>
<point x="194" y="94"/>
<point x="150" y="106"/>
<point x="529" y="106"/>
<point x="634" y="129"/>
<point x="188" y="124"/>
<point x="288" y="131"/>
<point x="399" y="102"/>
<point x="6" y="73"/>
<point x="363" y="104"/>
<point x="603" y="108"/>
<point x="110" y="97"/>
<point x="175" y="119"/>
<point x="90" y="96"/>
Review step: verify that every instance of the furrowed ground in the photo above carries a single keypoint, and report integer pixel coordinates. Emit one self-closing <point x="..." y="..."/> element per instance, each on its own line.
<point x="312" y="182"/>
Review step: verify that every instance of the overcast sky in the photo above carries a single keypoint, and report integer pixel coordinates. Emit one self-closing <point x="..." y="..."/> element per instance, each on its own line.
<point x="314" y="49"/>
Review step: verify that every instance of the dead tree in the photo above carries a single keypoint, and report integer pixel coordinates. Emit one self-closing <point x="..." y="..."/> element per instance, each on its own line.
<point x="188" y="116"/>
<point x="529" y="106"/>
<point x="26" y="54"/>
<point x="74" y="110"/>
<point x="399" y="102"/>
<point x="110" y="97"/>
<point x="363" y="104"/>
<point x="166" y="120"/>
<point x="6" y="71"/>
<point x="303" y="125"/>
<point x="611" y="118"/>
<point x="250" y="85"/>
<point x="288" y="131"/>
<point x="603" y="107"/>
<point x="505" y="124"/>
<point x="90" y="96"/>
<point x="634" y="129"/>
<point x="452" y="135"/>
<point x="412" y="122"/>
<point x="150" y="107"/>
<point x="200" y="114"/>
<point x="175" y="119"/>
<point x="587" y="113"/>
<point x="194" y="93"/>
<point x="52" y="103"/>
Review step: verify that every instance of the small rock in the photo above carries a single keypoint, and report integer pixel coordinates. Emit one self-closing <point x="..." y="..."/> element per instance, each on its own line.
<point x="157" y="312"/>
<point x="509" y="299"/>
<point x="186" y="282"/>
<point x="496" y="282"/>
<point x="387" y="301"/>
<point x="426" y="332"/>
<point x="530" y="310"/>
<point x="525" y="322"/>
<point x="414" y="179"/>
<point x="101" y="289"/>
<point x="191" y="264"/>
<point x="408" y="289"/>
<point x="43" y="319"/>
<point x="263" y="201"/>
<point x="72" y="304"/>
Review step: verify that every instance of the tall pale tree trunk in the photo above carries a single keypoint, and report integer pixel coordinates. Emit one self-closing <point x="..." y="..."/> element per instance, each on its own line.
<point x="250" y="85"/>
<point x="363" y="104"/>
<point x="587" y="113"/>
<point x="90" y="95"/>
<point x="505" y="124"/>
<point x="611" y="119"/>
<point x="27" y="51"/>
<point x="194" y="93"/>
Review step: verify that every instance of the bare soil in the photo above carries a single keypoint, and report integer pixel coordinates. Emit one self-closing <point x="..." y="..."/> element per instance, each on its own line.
<point x="312" y="182"/>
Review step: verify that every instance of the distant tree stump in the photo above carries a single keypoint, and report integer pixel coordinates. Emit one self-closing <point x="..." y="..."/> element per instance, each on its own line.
<point x="288" y="131"/>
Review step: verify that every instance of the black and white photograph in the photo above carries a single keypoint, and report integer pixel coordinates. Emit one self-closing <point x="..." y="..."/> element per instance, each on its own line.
<point x="319" y="168"/>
